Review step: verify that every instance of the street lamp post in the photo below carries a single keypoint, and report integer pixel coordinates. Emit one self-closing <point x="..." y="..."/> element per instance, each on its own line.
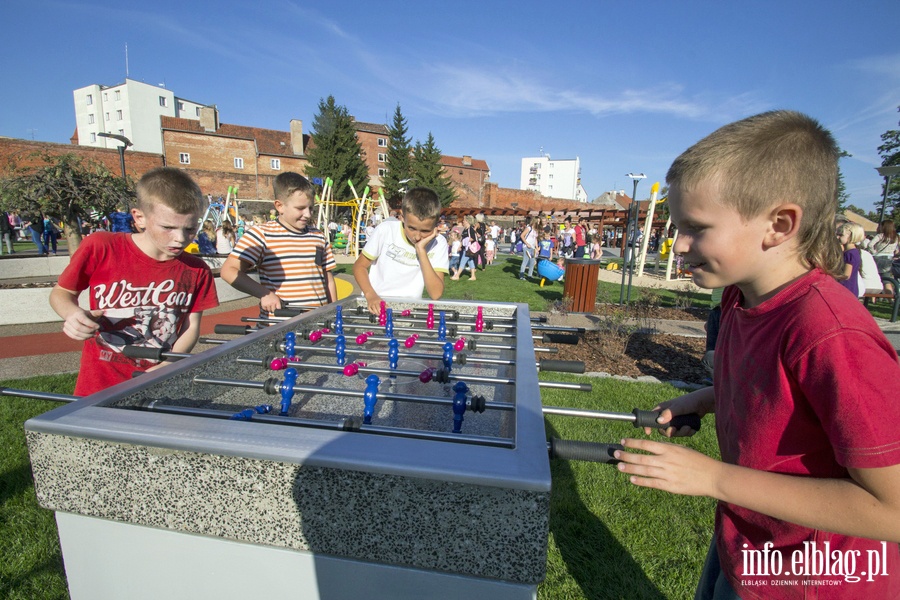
<point x="888" y="174"/>
<point x="125" y="143"/>
<point x="630" y="226"/>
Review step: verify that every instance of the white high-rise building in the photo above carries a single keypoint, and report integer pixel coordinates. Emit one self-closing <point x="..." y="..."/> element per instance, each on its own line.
<point x="553" y="177"/>
<point x="131" y="109"/>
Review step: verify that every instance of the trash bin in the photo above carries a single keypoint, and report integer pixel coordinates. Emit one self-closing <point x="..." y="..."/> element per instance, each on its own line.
<point x="581" y="283"/>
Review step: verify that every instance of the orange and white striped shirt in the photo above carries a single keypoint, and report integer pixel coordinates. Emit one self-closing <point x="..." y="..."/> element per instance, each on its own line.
<point x="291" y="264"/>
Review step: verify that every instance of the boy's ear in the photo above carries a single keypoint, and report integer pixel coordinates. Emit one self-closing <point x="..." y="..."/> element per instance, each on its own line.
<point x="279" y="206"/>
<point x="784" y="222"/>
<point x="138" y="216"/>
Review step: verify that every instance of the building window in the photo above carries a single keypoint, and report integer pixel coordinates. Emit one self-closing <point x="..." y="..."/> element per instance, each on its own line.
<point x="180" y="106"/>
<point x="238" y="163"/>
<point x="91" y="118"/>
<point x="276" y="163"/>
<point x="382" y="172"/>
<point x="198" y="111"/>
<point x="163" y="101"/>
<point x="118" y="95"/>
<point x="184" y="158"/>
<point x="90" y="99"/>
<point x="382" y="142"/>
<point x="105" y="96"/>
<point x="93" y="137"/>
<point x="107" y="116"/>
<point x="118" y="115"/>
<point x="551" y="175"/>
<point x="382" y="157"/>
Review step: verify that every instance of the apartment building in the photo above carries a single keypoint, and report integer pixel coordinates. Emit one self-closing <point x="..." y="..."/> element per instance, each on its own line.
<point x="556" y="178"/>
<point x="131" y="109"/>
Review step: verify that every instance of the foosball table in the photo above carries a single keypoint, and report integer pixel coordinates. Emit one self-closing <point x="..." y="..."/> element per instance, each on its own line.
<point x="332" y="454"/>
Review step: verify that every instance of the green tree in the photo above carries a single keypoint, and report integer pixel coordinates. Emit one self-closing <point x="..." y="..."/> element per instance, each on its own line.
<point x="427" y="171"/>
<point x="399" y="162"/>
<point x="63" y="186"/>
<point x="843" y="196"/>
<point x="335" y="151"/>
<point x="890" y="157"/>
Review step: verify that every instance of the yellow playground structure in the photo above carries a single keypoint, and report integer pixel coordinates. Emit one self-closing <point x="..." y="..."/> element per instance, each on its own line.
<point x="362" y="210"/>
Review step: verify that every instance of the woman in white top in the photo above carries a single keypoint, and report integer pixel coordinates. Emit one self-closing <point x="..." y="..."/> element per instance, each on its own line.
<point x="225" y="238"/>
<point x="885" y="247"/>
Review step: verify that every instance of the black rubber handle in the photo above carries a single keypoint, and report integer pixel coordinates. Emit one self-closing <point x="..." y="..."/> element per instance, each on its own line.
<point x="144" y="352"/>
<point x="647" y="418"/>
<point x="589" y="451"/>
<point x="562" y="366"/>
<point x="232" y="329"/>
<point x="560" y="338"/>
<point x="539" y="319"/>
<point x="287" y="312"/>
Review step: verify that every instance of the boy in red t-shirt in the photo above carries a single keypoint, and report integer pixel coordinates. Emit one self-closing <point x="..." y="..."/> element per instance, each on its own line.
<point x="809" y="482"/>
<point x="144" y="290"/>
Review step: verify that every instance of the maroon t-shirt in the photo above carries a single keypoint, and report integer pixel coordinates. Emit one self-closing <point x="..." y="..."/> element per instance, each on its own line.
<point x="804" y="385"/>
<point x="145" y="302"/>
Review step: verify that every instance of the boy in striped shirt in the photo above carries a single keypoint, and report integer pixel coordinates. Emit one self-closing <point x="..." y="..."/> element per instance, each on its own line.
<point x="294" y="260"/>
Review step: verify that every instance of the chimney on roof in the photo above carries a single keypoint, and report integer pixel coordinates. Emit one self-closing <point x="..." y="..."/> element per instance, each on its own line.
<point x="467" y="161"/>
<point x="209" y="118"/>
<point x="297" y="137"/>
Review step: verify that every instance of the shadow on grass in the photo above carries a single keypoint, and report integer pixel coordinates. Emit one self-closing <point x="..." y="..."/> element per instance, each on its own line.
<point x="593" y="557"/>
<point x="34" y="582"/>
<point x="14" y="481"/>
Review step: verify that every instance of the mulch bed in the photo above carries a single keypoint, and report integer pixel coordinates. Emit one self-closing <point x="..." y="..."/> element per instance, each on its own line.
<point x="624" y="351"/>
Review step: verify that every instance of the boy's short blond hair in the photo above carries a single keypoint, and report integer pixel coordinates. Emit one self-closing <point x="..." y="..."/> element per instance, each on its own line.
<point x="768" y="159"/>
<point x="171" y="187"/>
<point x="422" y="203"/>
<point x="289" y="182"/>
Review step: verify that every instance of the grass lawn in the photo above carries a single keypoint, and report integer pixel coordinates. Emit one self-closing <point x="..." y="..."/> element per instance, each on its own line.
<point x="30" y="560"/>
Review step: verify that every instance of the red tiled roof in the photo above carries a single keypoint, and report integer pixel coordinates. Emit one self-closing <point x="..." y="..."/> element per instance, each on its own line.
<point x="372" y="127"/>
<point x="457" y="162"/>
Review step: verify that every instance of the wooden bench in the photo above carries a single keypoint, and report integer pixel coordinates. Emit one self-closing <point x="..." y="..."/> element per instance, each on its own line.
<point x="895" y="297"/>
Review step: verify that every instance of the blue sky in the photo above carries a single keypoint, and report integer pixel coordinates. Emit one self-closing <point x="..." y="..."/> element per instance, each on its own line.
<point x="624" y="86"/>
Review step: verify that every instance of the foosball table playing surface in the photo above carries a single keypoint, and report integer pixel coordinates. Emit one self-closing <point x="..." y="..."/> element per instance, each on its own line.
<point x="345" y="465"/>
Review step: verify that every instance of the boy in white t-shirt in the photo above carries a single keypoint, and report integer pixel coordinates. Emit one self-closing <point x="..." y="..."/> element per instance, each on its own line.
<point x="403" y="257"/>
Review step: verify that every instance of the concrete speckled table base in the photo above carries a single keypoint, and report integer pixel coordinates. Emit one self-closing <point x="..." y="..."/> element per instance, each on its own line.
<point x="453" y="527"/>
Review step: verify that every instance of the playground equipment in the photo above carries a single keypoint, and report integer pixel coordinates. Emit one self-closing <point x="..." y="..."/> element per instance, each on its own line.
<point x="363" y="208"/>
<point x="648" y="225"/>
<point x="219" y="212"/>
<point x="549" y="270"/>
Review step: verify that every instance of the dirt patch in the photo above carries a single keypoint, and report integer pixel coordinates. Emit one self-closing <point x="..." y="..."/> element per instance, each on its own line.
<point x="622" y="347"/>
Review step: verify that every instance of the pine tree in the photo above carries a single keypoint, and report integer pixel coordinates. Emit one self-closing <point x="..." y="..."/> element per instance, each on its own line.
<point x="890" y="157"/>
<point x="428" y="172"/>
<point x="399" y="162"/>
<point x="843" y="196"/>
<point x="335" y="151"/>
